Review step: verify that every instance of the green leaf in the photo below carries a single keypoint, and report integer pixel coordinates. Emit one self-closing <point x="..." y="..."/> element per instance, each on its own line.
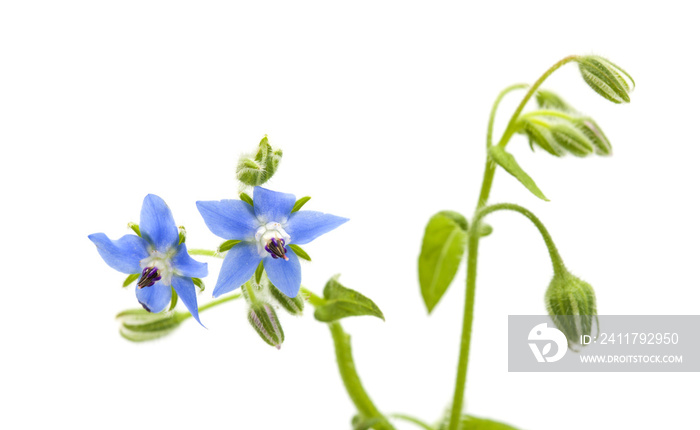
<point x="443" y="247"/>
<point x="228" y="245"/>
<point x="299" y="203"/>
<point x="246" y="198"/>
<point x="259" y="272"/>
<point x="199" y="283"/>
<point x="131" y="278"/>
<point x="300" y="252"/>
<point x="343" y="302"/>
<point x="507" y="161"/>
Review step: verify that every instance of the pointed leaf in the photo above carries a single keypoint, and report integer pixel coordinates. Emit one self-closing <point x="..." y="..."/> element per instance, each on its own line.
<point x="443" y="247"/>
<point x="130" y="279"/>
<point x="343" y="302"/>
<point x="225" y="246"/>
<point x="246" y="198"/>
<point x="507" y="161"/>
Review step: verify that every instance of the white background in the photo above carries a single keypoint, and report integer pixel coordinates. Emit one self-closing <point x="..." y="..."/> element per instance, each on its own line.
<point x="381" y="110"/>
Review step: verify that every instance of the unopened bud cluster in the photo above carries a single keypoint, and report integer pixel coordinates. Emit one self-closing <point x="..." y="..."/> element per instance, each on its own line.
<point x="256" y="169"/>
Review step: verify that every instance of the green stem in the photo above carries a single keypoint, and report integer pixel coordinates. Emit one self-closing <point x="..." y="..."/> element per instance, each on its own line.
<point x="494" y="108"/>
<point x="557" y="262"/>
<point x="205" y="252"/>
<point x="510" y="128"/>
<point x="351" y="380"/>
<point x="348" y="372"/>
<point x="413" y="420"/>
<point x="473" y="244"/>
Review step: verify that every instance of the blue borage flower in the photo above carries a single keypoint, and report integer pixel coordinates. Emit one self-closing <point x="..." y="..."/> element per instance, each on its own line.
<point x="264" y="230"/>
<point x="157" y="256"/>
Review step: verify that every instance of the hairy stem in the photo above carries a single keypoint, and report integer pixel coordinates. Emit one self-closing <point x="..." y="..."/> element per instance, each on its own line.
<point x="473" y="245"/>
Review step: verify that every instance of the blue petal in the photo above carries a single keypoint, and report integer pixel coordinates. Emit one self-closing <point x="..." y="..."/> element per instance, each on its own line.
<point x="184" y="287"/>
<point x="271" y="206"/>
<point x="230" y="219"/>
<point x="157" y="223"/>
<point x="124" y="254"/>
<point x="154" y="298"/>
<point x="239" y="265"/>
<point x="188" y="266"/>
<point x="305" y="226"/>
<point x="285" y="275"/>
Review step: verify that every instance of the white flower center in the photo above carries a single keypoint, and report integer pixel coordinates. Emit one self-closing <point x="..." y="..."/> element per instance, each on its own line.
<point x="161" y="261"/>
<point x="271" y="230"/>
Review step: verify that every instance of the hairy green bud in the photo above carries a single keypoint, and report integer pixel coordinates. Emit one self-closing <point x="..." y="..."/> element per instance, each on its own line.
<point x="293" y="305"/>
<point x="571" y="303"/>
<point x="573" y="140"/>
<point x="606" y="78"/>
<point x="538" y="133"/>
<point x="601" y="144"/>
<point x="139" y="325"/>
<point x="550" y="100"/>
<point x="256" y="169"/>
<point x="263" y="318"/>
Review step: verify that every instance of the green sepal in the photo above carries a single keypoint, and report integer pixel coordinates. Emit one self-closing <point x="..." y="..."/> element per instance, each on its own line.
<point x="343" y="302"/>
<point x="538" y="133"/>
<point x="173" y="299"/>
<point x="259" y="272"/>
<point x="293" y="305"/>
<point x="246" y="198"/>
<point x="443" y="246"/>
<point x="225" y="246"/>
<point x="139" y="325"/>
<point x="299" y="203"/>
<point x="135" y="228"/>
<point x="199" y="283"/>
<point x="361" y="423"/>
<point x="130" y="279"/>
<point x="507" y="161"/>
<point x="182" y="235"/>
<point x="299" y="252"/>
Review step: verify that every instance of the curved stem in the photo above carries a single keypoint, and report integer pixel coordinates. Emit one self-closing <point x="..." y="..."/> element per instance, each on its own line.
<point x="510" y="129"/>
<point x="347" y="370"/>
<point x="557" y="262"/>
<point x="494" y="108"/>
<point x="473" y="245"/>
<point x="351" y="380"/>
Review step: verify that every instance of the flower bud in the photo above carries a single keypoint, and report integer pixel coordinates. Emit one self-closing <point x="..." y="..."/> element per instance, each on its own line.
<point x="539" y="134"/>
<point x="549" y="100"/>
<point x="601" y="144"/>
<point x="139" y="325"/>
<point x="571" y="303"/>
<point x="294" y="306"/>
<point x="573" y="140"/>
<point x="606" y="78"/>
<point x="263" y="318"/>
<point x="256" y="169"/>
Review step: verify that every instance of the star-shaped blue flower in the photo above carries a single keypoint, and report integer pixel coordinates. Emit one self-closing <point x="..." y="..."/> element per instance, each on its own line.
<point x="157" y="256"/>
<point x="264" y="230"/>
